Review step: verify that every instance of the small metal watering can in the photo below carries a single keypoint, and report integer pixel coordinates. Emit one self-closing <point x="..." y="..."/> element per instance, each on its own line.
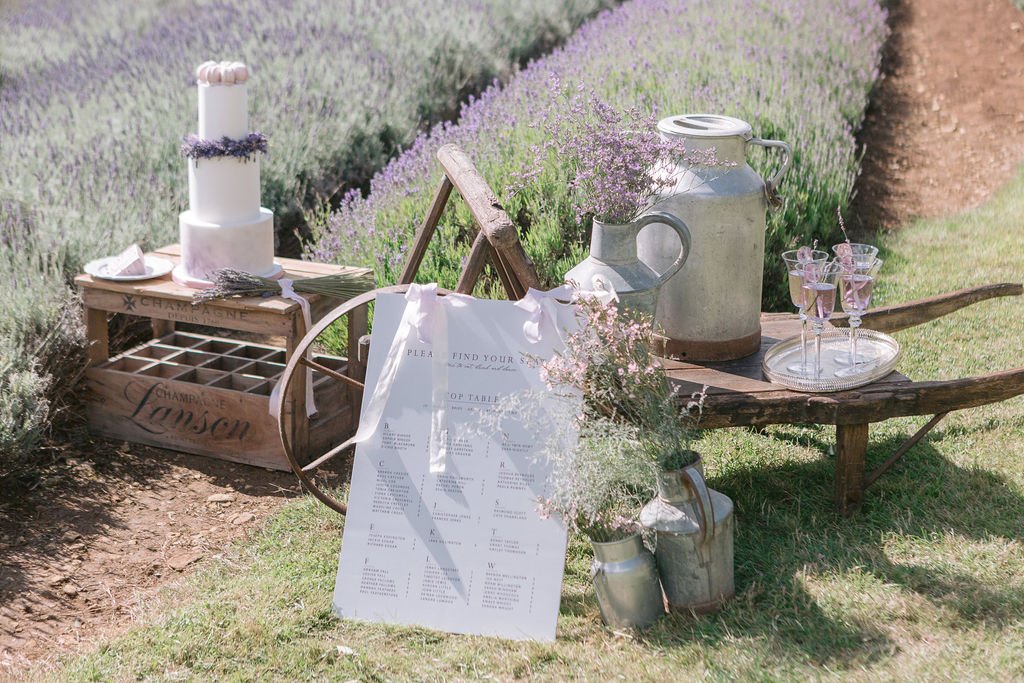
<point x="711" y="309"/>
<point x="626" y="582"/>
<point x="694" y="528"/>
<point x="613" y="261"/>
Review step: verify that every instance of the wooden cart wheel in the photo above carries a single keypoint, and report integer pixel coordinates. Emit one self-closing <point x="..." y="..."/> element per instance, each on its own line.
<point x="297" y="365"/>
<point x="497" y="242"/>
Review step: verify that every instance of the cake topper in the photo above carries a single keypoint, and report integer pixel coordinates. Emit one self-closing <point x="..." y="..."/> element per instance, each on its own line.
<point x="222" y="73"/>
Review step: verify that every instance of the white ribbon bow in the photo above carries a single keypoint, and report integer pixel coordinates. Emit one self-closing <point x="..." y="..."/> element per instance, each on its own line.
<point x="426" y="315"/>
<point x="543" y="307"/>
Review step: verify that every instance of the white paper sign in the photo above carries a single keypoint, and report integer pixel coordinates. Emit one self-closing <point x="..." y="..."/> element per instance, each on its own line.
<point x="463" y="550"/>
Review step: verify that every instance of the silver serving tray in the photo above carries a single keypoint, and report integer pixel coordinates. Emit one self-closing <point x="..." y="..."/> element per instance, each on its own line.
<point x="883" y="350"/>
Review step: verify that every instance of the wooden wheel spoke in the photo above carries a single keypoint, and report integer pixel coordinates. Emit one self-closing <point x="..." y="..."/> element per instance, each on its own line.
<point x="331" y="373"/>
<point x="326" y="457"/>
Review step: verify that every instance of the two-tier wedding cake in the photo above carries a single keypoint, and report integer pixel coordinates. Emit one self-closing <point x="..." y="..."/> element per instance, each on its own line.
<point x="225" y="226"/>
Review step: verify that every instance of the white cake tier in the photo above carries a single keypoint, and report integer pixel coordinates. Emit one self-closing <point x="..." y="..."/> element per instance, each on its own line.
<point x="208" y="246"/>
<point x="224" y="189"/>
<point x="223" y="111"/>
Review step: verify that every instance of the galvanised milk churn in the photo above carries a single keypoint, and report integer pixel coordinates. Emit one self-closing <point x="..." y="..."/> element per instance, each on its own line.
<point x="711" y="308"/>
<point x="693" y="528"/>
<point x="626" y="582"/>
<point x="613" y="261"/>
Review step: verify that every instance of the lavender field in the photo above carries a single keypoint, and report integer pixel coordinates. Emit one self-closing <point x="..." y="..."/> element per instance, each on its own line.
<point x="797" y="70"/>
<point x="95" y="98"/>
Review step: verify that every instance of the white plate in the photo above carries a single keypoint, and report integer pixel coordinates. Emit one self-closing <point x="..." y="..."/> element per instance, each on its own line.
<point x="155" y="267"/>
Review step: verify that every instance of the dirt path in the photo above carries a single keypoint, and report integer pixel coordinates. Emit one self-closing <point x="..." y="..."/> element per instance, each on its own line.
<point x="946" y="124"/>
<point x="84" y="550"/>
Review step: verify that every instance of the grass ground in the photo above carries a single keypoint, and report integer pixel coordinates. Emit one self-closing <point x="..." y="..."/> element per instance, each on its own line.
<point x="924" y="584"/>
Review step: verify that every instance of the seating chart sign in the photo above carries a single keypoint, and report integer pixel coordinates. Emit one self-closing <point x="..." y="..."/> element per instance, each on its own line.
<point x="464" y="549"/>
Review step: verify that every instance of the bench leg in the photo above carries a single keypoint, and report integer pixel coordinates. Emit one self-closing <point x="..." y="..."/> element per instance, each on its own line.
<point x="97" y="334"/>
<point x="851" y="451"/>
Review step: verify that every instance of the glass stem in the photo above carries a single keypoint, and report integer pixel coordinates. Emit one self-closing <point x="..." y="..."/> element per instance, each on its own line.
<point x="854" y="324"/>
<point x="817" y="348"/>
<point x="803" y="341"/>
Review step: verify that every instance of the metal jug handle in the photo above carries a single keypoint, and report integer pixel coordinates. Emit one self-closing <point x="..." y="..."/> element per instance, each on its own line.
<point x="771" y="186"/>
<point x="684" y="240"/>
<point x="694" y="480"/>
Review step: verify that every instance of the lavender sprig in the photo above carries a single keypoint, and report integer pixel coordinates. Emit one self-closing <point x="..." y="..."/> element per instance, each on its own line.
<point x="195" y="147"/>
<point x="614" y="158"/>
<point x="228" y="283"/>
<point x="842" y="224"/>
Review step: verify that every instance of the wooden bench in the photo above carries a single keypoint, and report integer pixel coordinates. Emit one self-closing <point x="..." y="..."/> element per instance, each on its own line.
<point x="738" y="395"/>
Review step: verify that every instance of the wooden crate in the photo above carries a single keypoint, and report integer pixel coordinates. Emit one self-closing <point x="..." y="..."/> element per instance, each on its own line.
<point x="210" y="396"/>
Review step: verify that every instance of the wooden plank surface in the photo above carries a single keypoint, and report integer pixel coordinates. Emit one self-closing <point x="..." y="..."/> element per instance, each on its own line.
<point x="894" y="396"/>
<point x="166" y="288"/>
<point x="222" y="423"/>
<point x="739" y="395"/>
<point x="227" y="313"/>
<point x="744" y="375"/>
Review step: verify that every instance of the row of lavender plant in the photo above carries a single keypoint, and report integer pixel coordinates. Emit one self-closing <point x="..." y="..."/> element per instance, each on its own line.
<point x="797" y="70"/>
<point x="95" y="98"/>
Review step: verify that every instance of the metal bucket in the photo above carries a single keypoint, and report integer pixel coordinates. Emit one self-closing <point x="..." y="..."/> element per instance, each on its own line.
<point x="626" y="582"/>
<point x="711" y="308"/>
<point x="693" y="526"/>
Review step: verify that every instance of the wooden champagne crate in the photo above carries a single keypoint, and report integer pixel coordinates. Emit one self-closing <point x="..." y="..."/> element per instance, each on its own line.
<point x="210" y="396"/>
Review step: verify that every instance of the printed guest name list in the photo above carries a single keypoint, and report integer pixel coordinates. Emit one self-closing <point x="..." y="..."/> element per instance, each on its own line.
<point x="462" y="550"/>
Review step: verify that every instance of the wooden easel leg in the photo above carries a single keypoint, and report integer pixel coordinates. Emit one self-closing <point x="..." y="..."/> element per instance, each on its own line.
<point x="357" y="328"/>
<point x="425" y="232"/>
<point x="851" y="452"/>
<point x="474" y="264"/>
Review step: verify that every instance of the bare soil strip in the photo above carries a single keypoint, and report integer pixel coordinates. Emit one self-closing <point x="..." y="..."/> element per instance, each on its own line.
<point x="946" y="125"/>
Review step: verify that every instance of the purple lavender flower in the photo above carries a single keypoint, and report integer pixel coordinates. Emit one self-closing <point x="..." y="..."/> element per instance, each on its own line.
<point x="807" y="84"/>
<point x="195" y="147"/>
<point x="610" y="157"/>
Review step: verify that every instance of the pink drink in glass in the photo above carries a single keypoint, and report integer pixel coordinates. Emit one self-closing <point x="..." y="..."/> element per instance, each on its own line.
<point x="802" y="264"/>
<point x="856" y="287"/>
<point x="819" y="304"/>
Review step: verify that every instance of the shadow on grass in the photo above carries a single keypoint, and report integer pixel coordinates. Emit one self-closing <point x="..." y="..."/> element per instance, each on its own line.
<point x="789" y="539"/>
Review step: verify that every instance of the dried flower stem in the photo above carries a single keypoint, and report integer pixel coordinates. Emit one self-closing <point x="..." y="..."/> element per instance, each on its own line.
<point x="235" y="283"/>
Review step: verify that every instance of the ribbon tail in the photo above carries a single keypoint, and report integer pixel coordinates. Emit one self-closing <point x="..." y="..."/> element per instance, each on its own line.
<point x="371" y="414"/>
<point x="439" y="391"/>
<point x="288" y="292"/>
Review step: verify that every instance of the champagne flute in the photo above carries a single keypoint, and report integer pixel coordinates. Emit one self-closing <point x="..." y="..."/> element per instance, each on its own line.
<point x="855" y="255"/>
<point x="796" y="261"/>
<point x="820" y="303"/>
<point x="856" y="286"/>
